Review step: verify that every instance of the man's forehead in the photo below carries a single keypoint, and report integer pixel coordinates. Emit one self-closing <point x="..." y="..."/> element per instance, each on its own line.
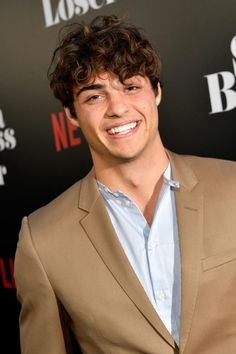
<point x="101" y="77"/>
<point x="103" y="80"/>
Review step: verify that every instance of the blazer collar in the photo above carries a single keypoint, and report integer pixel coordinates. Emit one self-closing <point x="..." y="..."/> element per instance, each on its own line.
<point x="99" y="229"/>
<point x="89" y="192"/>
<point x="181" y="171"/>
<point x="189" y="208"/>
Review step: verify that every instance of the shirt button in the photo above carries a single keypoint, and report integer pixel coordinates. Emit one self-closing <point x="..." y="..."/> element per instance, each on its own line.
<point x="161" y="295"/>
<point x="127" y="203"/>
<point x="150" y="247"/>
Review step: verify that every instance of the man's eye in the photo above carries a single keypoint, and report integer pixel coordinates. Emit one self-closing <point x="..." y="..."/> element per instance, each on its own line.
<point x="132" y="88"/>
<point x="93" y="98"/>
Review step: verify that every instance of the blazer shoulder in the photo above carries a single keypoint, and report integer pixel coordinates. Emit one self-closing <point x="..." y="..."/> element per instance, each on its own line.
<point x="213" y="172"/>
<point x="208" y="165"/>
<point x="69" y="196"/>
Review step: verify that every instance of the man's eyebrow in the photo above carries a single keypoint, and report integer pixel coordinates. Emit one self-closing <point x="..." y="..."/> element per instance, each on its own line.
<point x="89" y="87"/>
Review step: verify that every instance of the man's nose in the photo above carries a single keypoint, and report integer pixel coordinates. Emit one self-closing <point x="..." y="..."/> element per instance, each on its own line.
<point x="116" y="106"/>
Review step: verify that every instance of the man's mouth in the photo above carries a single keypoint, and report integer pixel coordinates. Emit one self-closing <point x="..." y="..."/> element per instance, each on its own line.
<point x="122" y="129"/>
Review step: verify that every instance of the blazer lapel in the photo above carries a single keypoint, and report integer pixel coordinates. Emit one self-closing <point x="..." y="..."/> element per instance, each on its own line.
<point x="100" y="231"/>
<point x="189" y="208"/>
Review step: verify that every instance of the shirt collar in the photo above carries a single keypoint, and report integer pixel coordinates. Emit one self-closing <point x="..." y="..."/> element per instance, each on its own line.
<point x="167" y="180"/>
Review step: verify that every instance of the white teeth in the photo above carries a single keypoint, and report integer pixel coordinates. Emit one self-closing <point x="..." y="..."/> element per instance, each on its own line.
<point x="124" y="129"/>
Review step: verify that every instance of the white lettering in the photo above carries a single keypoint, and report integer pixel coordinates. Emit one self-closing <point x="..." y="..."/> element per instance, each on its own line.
<point x="2" y="141"/>
<point x="94" y="5"/>
<point x="220" y="85"/>
<point x="233" y="46"/>
<point x="7" y="141"/>
<point x="7" y="136"/>
<point x="217" y="93"/>
<point x="81" y="7"/>
<point x="234" y="66"/>
<point x="3" y="172"/>
<point x="49" y="20"/>
<point x="66" y="9"/>
<point x="233" y="51"/>
<point x="2" y="124"/>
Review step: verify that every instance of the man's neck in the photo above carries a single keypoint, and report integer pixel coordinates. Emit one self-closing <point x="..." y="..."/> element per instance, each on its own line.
<point x="141" y="179"/>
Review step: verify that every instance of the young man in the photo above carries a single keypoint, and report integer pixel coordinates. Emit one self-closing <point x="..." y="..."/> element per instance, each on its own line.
<point x="140" y="255"/>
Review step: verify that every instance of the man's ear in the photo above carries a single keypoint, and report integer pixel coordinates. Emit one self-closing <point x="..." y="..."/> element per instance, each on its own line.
<point x="71" y="118"/>
<point x="158" y="94"/>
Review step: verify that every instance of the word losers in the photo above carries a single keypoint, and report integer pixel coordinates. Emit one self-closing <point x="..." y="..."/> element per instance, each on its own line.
<point x="66" y="9"/>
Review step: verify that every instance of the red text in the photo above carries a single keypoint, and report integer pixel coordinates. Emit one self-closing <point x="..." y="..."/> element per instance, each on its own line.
<point x="65" y="133"/>
<point x="6" y="273"/>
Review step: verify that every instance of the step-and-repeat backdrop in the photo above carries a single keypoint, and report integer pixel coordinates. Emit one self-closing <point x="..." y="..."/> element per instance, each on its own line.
<point x="41" y="154"/>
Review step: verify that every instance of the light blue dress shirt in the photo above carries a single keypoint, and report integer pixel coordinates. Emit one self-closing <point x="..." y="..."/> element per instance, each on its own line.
<point x="153" y="252"/>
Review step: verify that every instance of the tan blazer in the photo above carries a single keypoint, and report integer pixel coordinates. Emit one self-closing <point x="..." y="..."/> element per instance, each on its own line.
<point x="70" y="269"/>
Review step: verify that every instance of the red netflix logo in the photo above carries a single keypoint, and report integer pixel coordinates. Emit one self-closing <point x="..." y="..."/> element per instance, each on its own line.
<point x="6" y="273"/>
<point x="65" y="134"/>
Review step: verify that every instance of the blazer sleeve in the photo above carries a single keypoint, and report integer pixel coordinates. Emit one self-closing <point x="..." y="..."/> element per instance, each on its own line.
<point x="41" y="327"/>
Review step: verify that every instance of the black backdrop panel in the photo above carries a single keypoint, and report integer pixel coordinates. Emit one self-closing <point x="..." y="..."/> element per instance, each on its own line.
<point x="41" y="154"/>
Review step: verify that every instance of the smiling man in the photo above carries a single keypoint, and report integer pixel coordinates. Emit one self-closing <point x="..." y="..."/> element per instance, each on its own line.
<point x="140" y="255"/>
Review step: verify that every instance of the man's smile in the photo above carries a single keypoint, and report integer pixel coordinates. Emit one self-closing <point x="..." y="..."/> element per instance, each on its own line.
<point x="123" y="129"/>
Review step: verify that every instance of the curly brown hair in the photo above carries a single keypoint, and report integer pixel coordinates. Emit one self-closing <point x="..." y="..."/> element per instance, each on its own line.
<point x="107" y="44"/>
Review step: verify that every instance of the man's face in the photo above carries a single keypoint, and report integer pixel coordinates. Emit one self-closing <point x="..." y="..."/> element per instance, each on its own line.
<point x="119" y="121"/>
